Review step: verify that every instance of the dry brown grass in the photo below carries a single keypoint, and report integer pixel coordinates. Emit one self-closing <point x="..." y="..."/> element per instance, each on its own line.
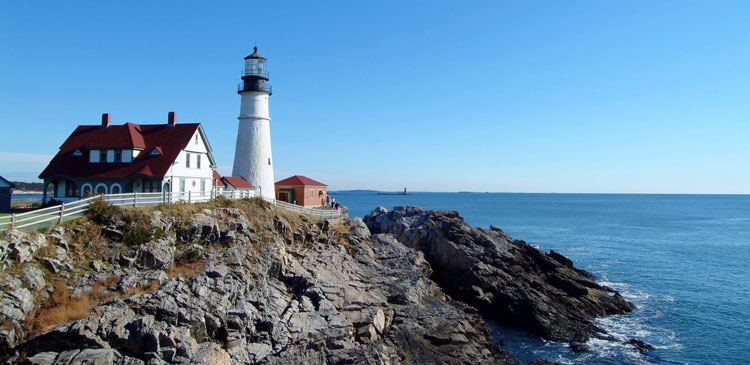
<point x="46" y="251"/>
<point x="186" y="270"/>
<point x="62" y="307"/>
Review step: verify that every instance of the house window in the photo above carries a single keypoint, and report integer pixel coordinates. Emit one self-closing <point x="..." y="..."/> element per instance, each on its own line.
<point x="311" y="193"/>
<point x="115" y="189"/>
<point x="187" y="160"/>
<point x="71" y="189"/>
<point x="118" y="157"/>
<point x="203" y="183"/>
<point x="198" y="161"/>
<point x="110" y="156"/>
<point x="193" y="183"/>
<point x="94" y="156"/>
<point x="182" y="185"/>
<point x="77" y="153"/>
<point x="102" y="155"/>
<point x="196" y="139"/>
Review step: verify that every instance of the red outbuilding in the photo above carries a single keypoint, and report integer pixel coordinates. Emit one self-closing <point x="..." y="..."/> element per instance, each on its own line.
<point x="301" y="190"/>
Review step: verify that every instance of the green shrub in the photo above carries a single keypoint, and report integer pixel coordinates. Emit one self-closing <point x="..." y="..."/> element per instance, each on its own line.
<point x="102" y="212"/>
<point x="138" y="233"/>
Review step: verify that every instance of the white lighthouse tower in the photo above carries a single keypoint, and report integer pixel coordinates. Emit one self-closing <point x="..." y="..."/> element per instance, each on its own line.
<point x="252" y="155"/>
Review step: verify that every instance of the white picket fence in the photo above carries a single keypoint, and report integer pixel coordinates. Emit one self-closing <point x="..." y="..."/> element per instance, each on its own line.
<point x="45" y="217"/>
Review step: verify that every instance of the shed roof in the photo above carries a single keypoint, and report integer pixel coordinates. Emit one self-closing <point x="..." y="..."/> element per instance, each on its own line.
<point x="237" y="182"/>
<point x="299" y="180"/>
<point x="217" y="180"/>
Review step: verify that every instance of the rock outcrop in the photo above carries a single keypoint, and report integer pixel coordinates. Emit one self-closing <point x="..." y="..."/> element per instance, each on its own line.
<point x="504" y="279"/>
<point x="241" y="286"/>
<point x="241" y="282"/>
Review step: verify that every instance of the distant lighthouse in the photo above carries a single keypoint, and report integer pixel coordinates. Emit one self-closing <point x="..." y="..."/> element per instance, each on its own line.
<point x="252" y="155"/>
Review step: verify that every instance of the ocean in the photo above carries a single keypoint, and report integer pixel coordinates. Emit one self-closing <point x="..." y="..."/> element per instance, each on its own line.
<point x="681" y="259"/>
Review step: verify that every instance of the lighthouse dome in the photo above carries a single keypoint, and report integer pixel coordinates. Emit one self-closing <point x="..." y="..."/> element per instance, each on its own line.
<point x="255" y="54"/>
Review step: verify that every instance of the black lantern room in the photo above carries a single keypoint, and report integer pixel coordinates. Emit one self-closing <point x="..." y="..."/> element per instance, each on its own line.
<point x="255" y="74"/>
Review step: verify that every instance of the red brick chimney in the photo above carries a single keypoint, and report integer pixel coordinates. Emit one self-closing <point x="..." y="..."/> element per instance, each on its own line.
<point x="105" y="120"/>
<point x="172" y="119"/>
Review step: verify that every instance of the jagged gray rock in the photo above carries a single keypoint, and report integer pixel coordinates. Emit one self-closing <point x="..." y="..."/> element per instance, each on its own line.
<point x="504" y="279"/>
<point x="283" y="290"/>
<point x="368" y="300"/>
<point x="157" y="254"/>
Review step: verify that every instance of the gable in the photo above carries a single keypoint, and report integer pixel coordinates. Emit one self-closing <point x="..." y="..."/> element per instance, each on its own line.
<point x="5" y="183"/>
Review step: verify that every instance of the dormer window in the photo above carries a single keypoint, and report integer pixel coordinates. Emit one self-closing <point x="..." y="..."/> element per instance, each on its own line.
<point x="77" y="153"/>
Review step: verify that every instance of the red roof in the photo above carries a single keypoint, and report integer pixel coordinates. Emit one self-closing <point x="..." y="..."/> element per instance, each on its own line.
<point x="217" y="180"/>
<point x="169" y="140"/>
<point x="299" y="180"/>
<point x="237" y="182"/>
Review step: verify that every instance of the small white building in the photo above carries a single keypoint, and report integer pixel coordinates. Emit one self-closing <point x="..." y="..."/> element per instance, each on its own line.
<point x="113" y="159"/>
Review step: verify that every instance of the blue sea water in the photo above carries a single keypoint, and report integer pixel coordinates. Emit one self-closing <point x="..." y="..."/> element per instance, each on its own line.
<point x="683" y="260"/>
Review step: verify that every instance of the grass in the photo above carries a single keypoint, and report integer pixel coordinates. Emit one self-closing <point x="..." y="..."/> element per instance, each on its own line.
<point x="62" y="307"/>
<point x="186" y="270"/>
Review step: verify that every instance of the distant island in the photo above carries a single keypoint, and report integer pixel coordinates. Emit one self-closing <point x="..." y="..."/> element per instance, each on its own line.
<point x="27" y="187"/>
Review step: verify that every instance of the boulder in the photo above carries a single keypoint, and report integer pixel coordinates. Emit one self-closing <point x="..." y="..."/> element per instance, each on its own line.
<point x="157" y="254"/>
<point x="33" y="277"/>
<point x="359" y="228"/>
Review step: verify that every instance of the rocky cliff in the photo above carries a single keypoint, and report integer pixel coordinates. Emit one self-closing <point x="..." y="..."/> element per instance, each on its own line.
<point x="242" y="282"/>
<point x="503" y="279"/>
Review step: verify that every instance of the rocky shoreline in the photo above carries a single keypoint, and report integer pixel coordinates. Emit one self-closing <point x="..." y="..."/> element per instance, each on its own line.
<point x="243" y="282"/>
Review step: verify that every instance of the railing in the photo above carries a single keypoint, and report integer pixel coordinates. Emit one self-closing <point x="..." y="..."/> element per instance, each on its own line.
<point x="267" y="88"/>
<point x="45" y="217"/>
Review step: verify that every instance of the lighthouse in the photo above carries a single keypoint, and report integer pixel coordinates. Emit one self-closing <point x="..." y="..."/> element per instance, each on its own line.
<point x="252" y="154"/>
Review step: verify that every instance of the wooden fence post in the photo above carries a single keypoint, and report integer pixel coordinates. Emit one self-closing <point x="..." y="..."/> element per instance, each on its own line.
<point x="62" y="211"/>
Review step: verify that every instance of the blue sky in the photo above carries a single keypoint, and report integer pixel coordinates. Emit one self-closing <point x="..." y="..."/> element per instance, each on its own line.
<point x="527" y="96"/>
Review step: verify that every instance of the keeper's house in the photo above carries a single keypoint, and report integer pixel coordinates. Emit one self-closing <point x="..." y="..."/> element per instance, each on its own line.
<point x="301" y="190"/>
<point x="113" y="159"/>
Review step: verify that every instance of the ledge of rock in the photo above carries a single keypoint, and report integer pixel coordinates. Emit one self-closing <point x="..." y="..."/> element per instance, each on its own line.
<point x="504" y="279"/>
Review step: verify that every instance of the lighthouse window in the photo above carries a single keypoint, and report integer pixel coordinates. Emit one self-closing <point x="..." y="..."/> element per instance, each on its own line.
<point x="269" y="161"/>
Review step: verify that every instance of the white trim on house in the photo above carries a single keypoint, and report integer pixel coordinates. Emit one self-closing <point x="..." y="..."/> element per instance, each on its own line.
<point x="83" y="188"/>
